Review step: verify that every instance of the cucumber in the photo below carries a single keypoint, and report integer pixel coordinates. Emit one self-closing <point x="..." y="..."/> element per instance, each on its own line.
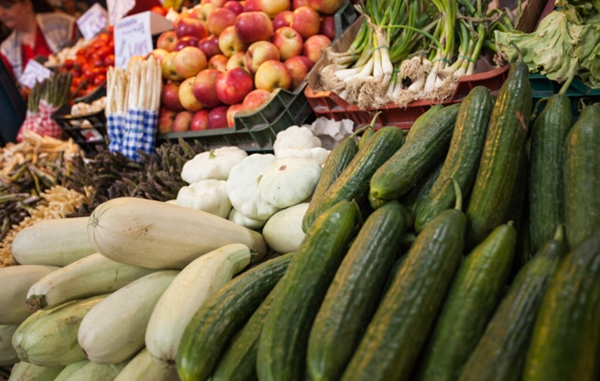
<point x="498" y="167"/>
<point x="473" y="296"/>
<point x="566" y="336"/>
<point x="415" y="196"/>
<point x="400" y="173"/>
<point x="463" y="156"/>
<point x="547" y="155"/>
<point x="353" y="182"/>
<point x="366" y="135"/>
<point x="354" y="293"/>
<point x="421" y="124"/>
<point x="582" y="176"/>
<point x="400" y="326"/>
<point x="284" y="338"/>
<point x="500" y="353"/>
<point x="221" y="317"/>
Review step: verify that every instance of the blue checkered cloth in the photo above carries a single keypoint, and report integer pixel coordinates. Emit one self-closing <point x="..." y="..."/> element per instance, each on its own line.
<point x="140" y="133"/>
<point x="115" y="125"/>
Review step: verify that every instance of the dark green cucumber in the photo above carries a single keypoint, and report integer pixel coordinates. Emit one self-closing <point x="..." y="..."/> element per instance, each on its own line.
<point x="500" y="353"/>
<point x="421" y="125"/>
<point x="402" y="171"/>
<point x="474" y="294"/>
<point x="220" y="318"/>
<point x="366" y="135"/>
<point x="238" y="362"/>
<point x="397" y="332"/>
<point x="547" y="155"/>
<point x="463" y="156"/>
<point x="353" y="182"/>
<point x="415" y="196"/>
<point x="566" y="335"/>
<point x="497" y="172"/>
<point x="582" y="176"/>
<point x="284" y="338"/>
<point x="354" y="293"/>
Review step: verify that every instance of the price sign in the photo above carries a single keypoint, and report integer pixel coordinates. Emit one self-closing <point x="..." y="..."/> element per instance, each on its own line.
<point x="133" y="37"/>
<point x="92" y="21"/>
<point x="118" y="9"/>
<point x="34" y="72"/>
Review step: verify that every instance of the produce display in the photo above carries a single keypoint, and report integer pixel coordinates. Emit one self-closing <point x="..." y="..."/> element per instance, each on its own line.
<point x="464" y="248"/>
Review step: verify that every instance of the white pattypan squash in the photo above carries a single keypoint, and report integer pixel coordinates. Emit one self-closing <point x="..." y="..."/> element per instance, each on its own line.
<point x="240" y="219"/>
<point x="207" y="195"/>
<point x="214" y="164"/>
<point x="299" y="142"/>
<point x="289" y="181"/>
<point x="283" y="231"/>
<point x="242" y="187"/>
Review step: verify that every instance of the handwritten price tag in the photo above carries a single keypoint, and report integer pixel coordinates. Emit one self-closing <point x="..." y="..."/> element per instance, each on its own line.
<point x="92" y="21"/>
<point x="34" y="72"/>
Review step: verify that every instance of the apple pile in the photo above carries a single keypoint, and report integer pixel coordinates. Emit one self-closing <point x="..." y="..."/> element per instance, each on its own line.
<point x="227" y="56"/>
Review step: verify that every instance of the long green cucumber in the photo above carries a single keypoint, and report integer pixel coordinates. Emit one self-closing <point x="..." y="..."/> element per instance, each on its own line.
<point x="365" y="136"/>
<point x="473" y="296"/>
<point x="400" y="173"/>
<point x="353" y="182"/>
<point x="421" y="124"/>
<point x="547" y="155"/>
<point x="418" y="194"/>
<point x="500" y="353"/>
<point x="582" y="176"/>
<point x="463" y="156"/>
<point x="566" y="336"/>
<point x="216" y="322"/>
<point x="284" y="337"/>
<point x="354" y="293"/>
<point x="400" y="327"/>
<point x="498" y="167"/>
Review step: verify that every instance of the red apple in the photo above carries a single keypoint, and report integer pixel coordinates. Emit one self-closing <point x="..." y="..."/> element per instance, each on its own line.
<point x="204" y="88"/>
<point x="274" y="7"/>
<point x="231" y="112"/>
<point x="299" y="3"/>
<point x="328" y="26"/>
<point x="185" y="25"/>
<point x="217" y="3"/>
<point x="238" y="59"/>
<point x="167" y="40"/>
<point x="209" y="46"/>
<point x="167" y="67"/>
<point x="234" y="6"/>
<point x="272" y="75"/>
<point x="252" y="5"/>
<point x="169" y="97"/>
<point x="259" y="52"/>
<point x="233" y="85"/>
<point x="166" y="118"/>
<point x="282" y="19"/>
<point x="253" y="26"/>
<point x="217" y="117"/>
<point x="313" y="46"/>
<point x="202" y="11"/>
<point x="288" y="41"/>
<point x="199" y="120"/>
<point x="255" y="99"/>
<point x="189" y="61"/>
<point x="182" y="121"/>
<point x="299" y="66"/>
<point x="186" y="95"/>
<point x="186" y="41"/>
<point x="306" y="21"/>
<point x="157" y="54"/>
<point x="327" y="7"/>
<point x="230" y="42"/>
<point x="218" y="62"/>
<point x="220" y="19"/>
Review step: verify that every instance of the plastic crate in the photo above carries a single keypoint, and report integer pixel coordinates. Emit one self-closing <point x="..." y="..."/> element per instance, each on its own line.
<point x="578" y="92"/>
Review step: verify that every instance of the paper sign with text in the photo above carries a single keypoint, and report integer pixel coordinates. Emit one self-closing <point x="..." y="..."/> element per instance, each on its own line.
<point x="34" y="72"/>
<point x="92" y="21"/>
<point x="118" y="9"/>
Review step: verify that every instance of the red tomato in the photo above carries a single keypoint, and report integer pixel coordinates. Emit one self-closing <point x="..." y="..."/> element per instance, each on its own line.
<point x="69" y="62"/>
<point x="109" y="60"/>
<point x="100" y="78"/>
<point x="160" y="10"/>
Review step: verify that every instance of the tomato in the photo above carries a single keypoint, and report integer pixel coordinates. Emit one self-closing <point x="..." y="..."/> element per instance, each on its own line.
<point x="100" y="78"/>
<point x="160" y="10"/>
<point x="109" y="60"/>
<point x="69" y="62"/>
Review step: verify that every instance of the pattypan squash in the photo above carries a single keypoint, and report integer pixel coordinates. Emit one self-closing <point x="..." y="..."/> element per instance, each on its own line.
<point x="283" y="231"/>
<point x="246" y="222"/>
<point x="207" y="195"/>
<point x="242" y="187"/>
<point x="214" y="164"/>
<point x="301" y="142"/>
<point x="289" y="181"/>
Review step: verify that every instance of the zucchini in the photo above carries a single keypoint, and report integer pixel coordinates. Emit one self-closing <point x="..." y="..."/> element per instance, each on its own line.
<point x="582" y="176"/>
<point x="547" y="155"/>
<point x="565" y="336"/>
<point x="354" y="293"/>
<point x="214" y="324"/>
<point x="353" y="182"/>
<point x="92" y="371"/>
<point x="421" y="124"/>
<point x="70" y="369"/>
<point x="399" y="174"/>
<point x="24" y="371"/>
<point x="284" y="338"/>
<point x="8" y="356"/>
<point x="401" y="324"/>
<point x="499" y="164"/>
<point x="142" y="367"/>
<point x="463" y="156"/>
<point x="500" y="353"/>
<point x="473" y="296"/>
